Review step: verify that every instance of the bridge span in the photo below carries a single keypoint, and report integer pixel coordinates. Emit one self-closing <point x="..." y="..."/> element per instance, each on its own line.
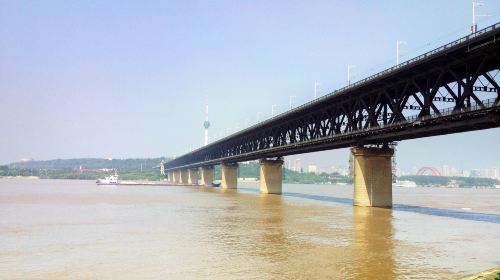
<point x="454" y="88"/>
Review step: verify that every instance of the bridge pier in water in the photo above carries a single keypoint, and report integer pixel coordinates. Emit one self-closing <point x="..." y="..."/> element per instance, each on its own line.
<point x="372" y="176"/>
<point x="193" y="176"/>
<point x="183" y="177"/>
<point x="229" y="172"/>
<point x="271" y="172"/>
<point x="176" y="175"/>
<point x="207" y="175"/>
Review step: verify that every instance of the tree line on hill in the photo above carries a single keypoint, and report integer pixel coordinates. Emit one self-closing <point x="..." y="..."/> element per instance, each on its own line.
<point x="90" y="163"/>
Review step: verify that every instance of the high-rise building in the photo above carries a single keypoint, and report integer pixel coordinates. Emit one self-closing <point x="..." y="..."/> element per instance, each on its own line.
<point x="475" y="173"/>
<point x="446" y="170"/>
<point x="495" y="173"/>
<point x="296" y="165"/>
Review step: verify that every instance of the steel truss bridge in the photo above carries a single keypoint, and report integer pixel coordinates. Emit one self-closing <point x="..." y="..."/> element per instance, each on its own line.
<point x="451" y="89"/>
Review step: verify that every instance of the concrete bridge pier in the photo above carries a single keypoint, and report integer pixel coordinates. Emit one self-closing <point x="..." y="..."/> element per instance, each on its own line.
<point x="170" y="178"/>
<point x="207" y="175"/>
<point x="176" y="176"/>
<point x="229" y="175"/>
<point x="372" y="176"/>
<point x="183" y="177"/>
<point x="271" y="172"/>
<point x="193" y="176"/>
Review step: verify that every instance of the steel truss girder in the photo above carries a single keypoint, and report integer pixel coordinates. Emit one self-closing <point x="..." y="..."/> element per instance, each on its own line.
<point x="394" y="103"/>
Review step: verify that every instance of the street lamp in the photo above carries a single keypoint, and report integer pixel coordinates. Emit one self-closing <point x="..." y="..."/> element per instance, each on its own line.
<point x="473" y="27"/>
<point x="259" y="116"/>
<point x="349" y="67"/>
<point x="398" y="43"/>
<point x="272" y="109"/>
<point x="316" y="90"/>
<point x="291" y="98"/>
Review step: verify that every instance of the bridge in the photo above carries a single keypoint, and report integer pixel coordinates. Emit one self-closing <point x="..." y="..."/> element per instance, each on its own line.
<point x="451" y="89"/>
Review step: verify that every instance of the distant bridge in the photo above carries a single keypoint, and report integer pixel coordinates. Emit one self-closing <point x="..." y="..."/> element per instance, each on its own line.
<point x="433" y="170"/>
<point x="454" y="88"/>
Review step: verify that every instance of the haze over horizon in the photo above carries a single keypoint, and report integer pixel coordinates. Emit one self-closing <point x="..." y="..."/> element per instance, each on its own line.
<point x="126" y="79"/>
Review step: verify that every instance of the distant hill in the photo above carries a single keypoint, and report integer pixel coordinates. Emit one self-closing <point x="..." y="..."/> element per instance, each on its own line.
<point x="90" y="163"/>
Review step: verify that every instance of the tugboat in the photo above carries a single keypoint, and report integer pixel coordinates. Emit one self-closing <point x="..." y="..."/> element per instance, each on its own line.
<point x="216" y="183"/>
<point x="110" y="180"/>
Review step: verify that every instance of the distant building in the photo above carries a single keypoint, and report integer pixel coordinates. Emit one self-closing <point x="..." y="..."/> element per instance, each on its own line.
<point x="312" y="168"/>
<point x="446" y="170"/>
<point x="296" y="165"/>
<point x="341" y="170"/>
<point x="475" y="173"/>
<point x="495" y="173"/>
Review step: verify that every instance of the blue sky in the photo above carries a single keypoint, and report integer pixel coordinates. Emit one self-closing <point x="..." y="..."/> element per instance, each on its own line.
<point x="130" y="78"/>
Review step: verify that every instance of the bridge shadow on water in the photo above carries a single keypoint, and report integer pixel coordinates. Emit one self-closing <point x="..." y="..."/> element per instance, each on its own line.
<point x="440" y="212"/>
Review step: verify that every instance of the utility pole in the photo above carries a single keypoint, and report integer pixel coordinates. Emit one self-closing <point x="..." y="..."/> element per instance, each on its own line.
<point x="349" y="67"/>
<point x="398" y="43"/>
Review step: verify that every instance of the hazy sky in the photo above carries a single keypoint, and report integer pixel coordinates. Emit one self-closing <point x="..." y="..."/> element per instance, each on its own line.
<point x="130" y="78"/>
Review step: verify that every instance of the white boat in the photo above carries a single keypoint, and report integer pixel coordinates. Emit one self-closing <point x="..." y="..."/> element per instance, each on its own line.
<point x="110" y="180"/>
<point x="405" y="184"/>
<point x="216" y="183"/>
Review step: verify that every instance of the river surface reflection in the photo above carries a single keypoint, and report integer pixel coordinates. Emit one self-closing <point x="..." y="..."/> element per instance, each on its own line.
<point x="58" y="229"/>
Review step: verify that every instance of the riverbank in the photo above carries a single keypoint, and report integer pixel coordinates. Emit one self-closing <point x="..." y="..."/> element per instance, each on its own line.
<point x="491" y="274"/>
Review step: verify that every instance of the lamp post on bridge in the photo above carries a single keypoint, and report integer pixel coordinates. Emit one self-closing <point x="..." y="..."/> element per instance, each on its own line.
<point x="316" y="84"/>
<point x="259" y="116"/>
<point x="473" y="27"/>
<point x="349" y="67"/>
<point x="272" y="110"/>
<point x="398" y="43"/>
<point x="291" y="98"/>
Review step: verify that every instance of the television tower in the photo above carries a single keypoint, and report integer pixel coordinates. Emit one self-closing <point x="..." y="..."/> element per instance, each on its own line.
<point x="206" y="124"/>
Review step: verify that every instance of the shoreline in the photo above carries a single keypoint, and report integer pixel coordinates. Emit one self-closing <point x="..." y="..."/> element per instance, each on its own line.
<point x="489" y="274"/>
<point x="244" y="181"/>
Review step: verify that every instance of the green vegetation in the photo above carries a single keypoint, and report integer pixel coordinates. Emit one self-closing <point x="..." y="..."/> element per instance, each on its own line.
<point x="498" y="276"/>
<point x="133" y="174"/>
<point x="87" y="169"/>
<point x="462" y="182"/>
<point x="90" y="163"/>
<point x="251" y="170"/>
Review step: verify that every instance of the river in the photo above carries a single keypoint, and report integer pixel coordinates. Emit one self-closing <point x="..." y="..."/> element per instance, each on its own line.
<point x="60" y="229"/>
